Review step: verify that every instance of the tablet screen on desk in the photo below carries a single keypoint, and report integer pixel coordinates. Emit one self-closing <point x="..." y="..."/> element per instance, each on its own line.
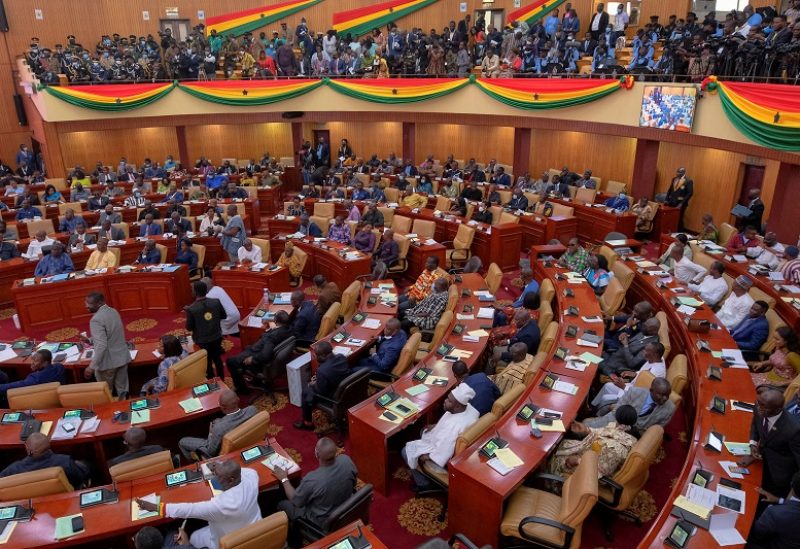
<point x="251" y="454"/>
<point x="344" y="544"/>
<point x="72" y="414"/>
<point x="174" y="479"/>
<point x="8" y="513"/>
<point x="12" y="417"/>
<point x="680" y="534"/>
<point x="201" y="389"/>
<point x="88" y="498"/>
<point x="140" y="404"/>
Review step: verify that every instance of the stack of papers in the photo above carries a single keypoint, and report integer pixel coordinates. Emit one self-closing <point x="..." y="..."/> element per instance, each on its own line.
<point x="138" y="513"/>
<point x="687" y="310"/>
<point x="371" y="323"/>
<point x="735" y="357"/>
<point x="556" y="427"/>
<point x="191" y="405"/>
<point x="140" y="416"/>
<point x="341" y="350"/>
<point x="645" y="264"/>
<point x="8" y="529"/>
<point x="460" y="316"/>
<point x="90" y="425"/>
<point x="738" y="448"/>
<point x="258" y="266"/>
<point x="690" y="301"/>
<point x="62" y="434"/>
<point x="7" y="353"/>
<point x="254" y="322"/>
<point x="277" y="460"/>
<point x="565" y="387"/>
<point x="415" y="390"/>
<point x="723" y="530"/>
<point x="486" y="312"/>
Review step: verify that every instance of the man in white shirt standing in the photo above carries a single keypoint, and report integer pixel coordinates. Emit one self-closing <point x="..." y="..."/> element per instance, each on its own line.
<point x="713" y="287"/>
<point x="36" y="245"/>
<point x="684" y="269"/>
<point x="620" y="21"/>
<point x="229" y="325"/>
<point x="249" y="253"/>
<point x="769" y="253"/>
<point x="738" y="304"/>
<point x="236" y="507"/>
<point x="613" y="390"/>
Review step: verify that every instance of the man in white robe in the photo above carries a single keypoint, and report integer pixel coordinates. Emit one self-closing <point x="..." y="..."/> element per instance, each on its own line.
<point x="230" y="325"/>
<point x="713" y="286"/>
<point x="737" y="307"/>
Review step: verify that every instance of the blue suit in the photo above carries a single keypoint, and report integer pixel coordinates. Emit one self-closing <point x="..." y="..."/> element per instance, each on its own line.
<point x="55" y="372"/>
<point x="751" y="333"/>
<point x="486" y="392"/>
<point x="306" y="322"/>
<point x="529" y="335"/>
<point x="387" y="352"/>
<point x="154" y="229"/>
<point x="532" y="287"/>
<point x="776" y="527"/>
<point x="310" y="230"/>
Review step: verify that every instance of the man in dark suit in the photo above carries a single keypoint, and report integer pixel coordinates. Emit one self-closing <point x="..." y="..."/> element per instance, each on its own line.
<point x="776" y="528"/>
<point x="308" y="227"/>
<point x="756" y="207"/>
<point x="259" y="355"/>
<point x="331" y="371"/>
<point x="681" y="189"/>
<point x="175" y="224"/>
<point x="134" y="440"/>
<point x="304" y="318"/>
<point x="149" y="227"/>
<point x="322" y="152"/>
<point x="774" y="439"/>
<point x="751" y="333"/>
<point x="599" y="22"/>
<point x="109" y="232"/>
<point x="194" y="448"/>
<point x="630" y="356"/>
<point x="40" y="456"/>
<point x="80" y="236"/>
<point x="527" y="333"/>
<point x="387" y="348"/>
<point x="588" y="45"/>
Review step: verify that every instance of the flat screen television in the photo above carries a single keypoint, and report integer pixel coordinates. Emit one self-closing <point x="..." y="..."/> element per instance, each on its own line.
<point x="668" y="108"/>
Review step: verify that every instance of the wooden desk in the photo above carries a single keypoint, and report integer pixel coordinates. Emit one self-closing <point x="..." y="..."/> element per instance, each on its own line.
<point x="246" y="287"/>
<point x="352" y="529"/>
<point x="326" y="261"/>
<point x="594" y="223"/>
<point x="64" y="302"/>
<point x="538" y="230"/>
<point x="736" y="384"/>
<point x="111" y="524"/>
<point x="270" y="199"/>
<point x="476" y="490"/>
<point x="369" y="434"/>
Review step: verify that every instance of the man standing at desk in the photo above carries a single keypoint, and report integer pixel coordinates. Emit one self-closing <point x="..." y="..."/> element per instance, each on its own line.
<point x="55" y="263"/>
<point x="230" y="325"/>
<point x="756" y="207"/>
<point x="234" y="233"/>
<point x="204" y="319"/>
<point x="111" y="356"/>
<point x="681" y="189"/>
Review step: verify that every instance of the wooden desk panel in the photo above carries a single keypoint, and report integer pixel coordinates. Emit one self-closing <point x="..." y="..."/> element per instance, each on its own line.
<point x="537" y="230"/>
<point x="350" y="530"/>
<point x="270" y="200"/>
<point x="246" y="287"/>
<point x="595" y="223"/>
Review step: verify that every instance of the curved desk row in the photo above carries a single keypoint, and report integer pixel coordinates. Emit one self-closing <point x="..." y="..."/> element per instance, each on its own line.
<point x="477" y="490"/>
<point x="736" y="384"/>
<point x="111" y="524"/>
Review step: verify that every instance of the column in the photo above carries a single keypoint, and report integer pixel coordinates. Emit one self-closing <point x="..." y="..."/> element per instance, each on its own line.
<point x="522" y="149"/>
<point x="783" y="218"/>
<point x="409" y="140"/>
<point x="644" y="169"/>
<point x="297" y="138"/>
<point x="183" y="148"/>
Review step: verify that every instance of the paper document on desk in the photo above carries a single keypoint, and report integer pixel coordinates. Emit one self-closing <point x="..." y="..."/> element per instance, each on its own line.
<point x="496" y="464"/>
<point x="735" y="357"/>
<point x="371" y="323"/>
<point x="616" y="242"/>
<point x="729" y="466"/>
<point x="556" y="427"/>
<point x="64" y="527"/>
<point x="565" y="387"/>
<point x="138" y="513"/>
<point x="508" y="457"/>
<point x="7" y="353"/>
<point x="738" y="448"/>
<point x="586" y="343"/>
<point x="592" y="319"/>
<point x="277" y="460"/>
<point x="133" y="354"/>
<point x="791" y="288"/>
<point x="140" y="416"/>
<point x="683" y="502"/>
<point x="60" y="433"/>
<point x="574" y="365"/>
<point x="283" y="298"/>
<point x="486" y="312"/>
<point x="723" y="529"/>
<point x="254" y="322"/>
<point x="459" y="316"/>
<point x="342" y="350"/>
<point x="687" y="310"/>
<point x="775" y="277"/>
<point x="8" y="529"/>
<point x="90" y="425"/>
<point x="645" y="264"/>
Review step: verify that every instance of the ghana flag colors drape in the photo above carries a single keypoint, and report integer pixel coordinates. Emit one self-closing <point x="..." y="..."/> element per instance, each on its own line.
<point x="533" y="12"/>
<point x="398" y="90"/>
<point x="117" y="97"/>
<point x="769" y="114"/>
<point x="249" y="92"/>
<point x="361" y="21"/>
<point x="546" y="93"/>
<point x="240" y="22"/>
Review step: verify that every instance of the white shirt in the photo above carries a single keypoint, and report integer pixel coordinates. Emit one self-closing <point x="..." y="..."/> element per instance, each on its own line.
<point x="596" y="21"/>
<point x="766" y="257"/>
<point x="620" y="20"/>
<point x="206" y="224"/>
<point x="711" y="289"/>
<point x="231" y="324"/>
<point x="440" y="442"/>
<point x="658" y="369"/>
<point x="687" y="270"/>
<point x="234" y="508"/>
<point x="253" y="255"/>
<point x="734" y="310"/>
<point x="35" y="247"/>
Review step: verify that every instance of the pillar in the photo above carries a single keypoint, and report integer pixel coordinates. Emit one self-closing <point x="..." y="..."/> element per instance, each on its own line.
<point x="522" y="149"/>
<point x="183" y="148"/>
<point x="644" y="169"/>
<point x="409" y="140"/>
<point x="297" y="138"/>
<point x="783" y="218"/>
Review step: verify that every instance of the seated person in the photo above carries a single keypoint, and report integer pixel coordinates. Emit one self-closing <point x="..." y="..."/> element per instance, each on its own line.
<point x="681" y="240"/>
<point x="102" y="257"/>
<point x="619" y="203"/>
<point x="40" y="456"/>
<point x="685" y="270"/>
<point x="26" y="211"/>
<point x="80" y="238"/>
<point x="148" y="209"/>
<point x="531" y="287"/>
<point x="42" y="371"/>
<point x="296" y="208"/>
<point x="613" y="390"/>
<point x="425" y="314"/>
<point x="738" y="303"/>
<point x="308" y="227"/>
<point x="740" y="242"/>
<point x="248" y="253"/>
<point x="339" y="231"/>
<point x="134" y="440"/>
<point x="653" y="406"/>
<point x="364" y="240"/>
<point x="292" y="262"/>
<point x="783" y="365"/>
<point x="97" y="202"/>
<point x="233" y="191"/>
<point x="329" y="293"/>
<point x="710" y="231"/>
<point x="769" y="252"/>
<point x="187" y="256"/>
<point x="422" y="287"/>
<point x="413" y="199"/>
<point x="596" y="273"/>
<point x="322" y="490"/>
<point x="172" y="352"/>
<point x="149" y="255"/>
<point x="713" y="287"/>
<point x="437" y="444"/>
<point x="194" y="448"/>
<point x="68" y="224"/>
<point x="614" y="442"/>
<point x="492" y="196"/>
<point x="752" y="332"/>
<point x="176" y="224"/>
<point x="386" y="351"/>
<point x="54" y="263"/>
<point x="172" y="207"/>
<point x="644" y="213"/>
<point x="630" y="356"/>
<point x="353" y="213"/>
<point x="258" y="357"/>
<point x="527" y="332"/>
<point x="37" y="245"/>
<point x="232" y="509"/>
<point x="360" y="193"/>
<point x="472" y="192"/>
<point x="78" y="193"/>
<point x="373" y="215"/>
<point x="626" y="324"/>
<point x="448" y="189"/>
<point x="514" y="373"/>
<point x="332" y="369"/>
<point x="459" y="207"/>
<point x="110" y="232"/>
<point x="8" y="250"/>
<point x="425" y="185"/>
<point x="388" y="250"/>
<point x="486" y="392"/>
<point x="576" y="258"/>
<point x="305" y="318"/>
<point x="149" y="227"/>
<point x="212" y="222"/>
<point x="518" y="201"/>
<point x="482" y="214"/>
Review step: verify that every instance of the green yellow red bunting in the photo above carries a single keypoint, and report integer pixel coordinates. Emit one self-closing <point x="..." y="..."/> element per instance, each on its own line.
<point x="240" y="22"/>
<point x="541" y="93"/>
<point x="116" y="97"/>
<point x="361" y="21"/>
<point x="533" y="12"/>
<point x="249" y="92"/>
<point x="398" y="90"/>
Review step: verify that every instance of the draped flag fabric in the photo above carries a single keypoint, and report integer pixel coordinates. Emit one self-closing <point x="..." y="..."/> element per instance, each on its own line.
<point x="533" y="12"/>
<point x="117" y="97"/>
<point x="541" y="93"/>
<point x="398" y="90"/>
<point x="769" y="114"/>
<point x="361" y="21"/>
<point x="249" y="92"/>
<point x="240" y="22"/>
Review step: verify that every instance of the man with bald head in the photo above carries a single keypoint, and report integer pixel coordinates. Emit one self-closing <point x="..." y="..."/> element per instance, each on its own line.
<point x="630" y="356"/>
<point x="626" y="324"/>
<point x="384" y="355"/>
<point x="149" y="255"/>
<point x="234" y="508"/>
<point x="775" y="440"/>
<point x="331" y="370"/>
<point x="134" y="440"/>
<point x="40" y="241"/>
<point x="322" y="490"/>
<point x="194" y="448"/>
<point x="40" y="456"/>
<point x="102" y="257"/>
<point x="55" y="263"/>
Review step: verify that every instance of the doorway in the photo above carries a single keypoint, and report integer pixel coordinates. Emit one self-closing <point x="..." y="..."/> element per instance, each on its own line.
<point x="493" y="17"/>
<point x="326" y="136"/>
<point x="752" y="178"/>
<point x="179" y="27"/>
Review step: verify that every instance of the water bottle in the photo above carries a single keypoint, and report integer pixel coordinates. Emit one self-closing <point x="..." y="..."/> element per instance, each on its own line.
<point x="266" y="296"/>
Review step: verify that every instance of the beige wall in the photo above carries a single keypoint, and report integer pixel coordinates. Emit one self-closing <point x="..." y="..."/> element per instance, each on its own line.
<point x="87" y="148"/>
<point x="365" y="138"/>
<point x="216" y="141"/>
<point x="464" y="142"/>
<point x="608" y="157"/>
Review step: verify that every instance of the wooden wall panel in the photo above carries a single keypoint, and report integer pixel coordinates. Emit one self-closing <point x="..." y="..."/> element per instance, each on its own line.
<point x="87" y="148"/>
<point x="479" y="142"/>
<point x="218" y="141"/>
<point x="365" y="138"/>
<point x="717" y="176"/>
<point x="608" y="157"/>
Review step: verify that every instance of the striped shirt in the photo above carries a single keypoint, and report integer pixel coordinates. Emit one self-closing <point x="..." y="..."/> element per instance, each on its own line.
<point x="791" y="271"/>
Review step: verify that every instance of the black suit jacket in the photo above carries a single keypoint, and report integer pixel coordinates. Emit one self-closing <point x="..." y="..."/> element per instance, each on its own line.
<point x="262" y="350"/>
<point x="776" y="528"/>
<point x="780" y="451"/>
<point x="755" y="218"/>
<point x="679" y="197"/>
<point x="601" y="28"/>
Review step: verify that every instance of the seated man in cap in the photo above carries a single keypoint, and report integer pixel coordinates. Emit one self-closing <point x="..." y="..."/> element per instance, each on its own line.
<point x="737" y="306"/>
<point x="438" y="443"/>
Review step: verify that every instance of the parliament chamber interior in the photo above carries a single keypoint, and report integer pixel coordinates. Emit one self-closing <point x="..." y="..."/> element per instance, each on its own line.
<point x="399" y="274"/>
